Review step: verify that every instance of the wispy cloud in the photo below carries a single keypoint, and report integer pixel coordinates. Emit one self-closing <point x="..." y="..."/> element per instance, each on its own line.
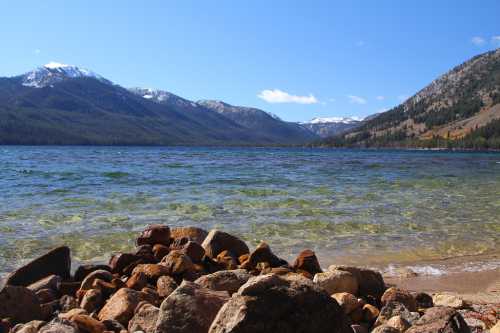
<point x="495" y="40"/>
<point x="380" y="98"/>
<point x="356" y="99"/>
<point x="279" y="96"/>
<point x="477" y="40"/>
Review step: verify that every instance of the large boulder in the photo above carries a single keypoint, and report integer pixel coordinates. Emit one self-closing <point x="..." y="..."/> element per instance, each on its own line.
<point x="100" y="274"/>
<point x="337" y="281"/>
<point x="370" y="282"/>
<point x="59" y="326"/>
<point x="194" y="234"/>
<point x="154" y="234"/>
<point x="19" y="304"/>
<point x="218" y="241"/>
<point x="307" y="261"/>
<point x="51" y="282"/>
<point x="92" y="300"/>
<point x="151" y="271"/>
<point x="262" y="253"/>
<point x="54" y="262"/>
<point x="399" y="295"/>
<point x="177" y="263"/>
<point x="121" y="305"/>
<point x="229" y="281"/>
<point x="191" y="308"/>
<point x="440" y="319"/>
<point x="272" y="303"/>
<point x="144" y="319"/>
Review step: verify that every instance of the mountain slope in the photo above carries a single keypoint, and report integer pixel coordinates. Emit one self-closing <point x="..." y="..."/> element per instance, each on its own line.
<point x="262" y="123"/>
<point x="326" y="127"/>
<point x="447" y="111"/>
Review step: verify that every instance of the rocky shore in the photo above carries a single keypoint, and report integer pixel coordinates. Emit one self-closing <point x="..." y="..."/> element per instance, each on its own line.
<point x="188" y="280"/>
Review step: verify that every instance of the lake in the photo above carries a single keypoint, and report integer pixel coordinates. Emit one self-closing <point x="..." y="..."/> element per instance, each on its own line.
<point x="350" y="206"/>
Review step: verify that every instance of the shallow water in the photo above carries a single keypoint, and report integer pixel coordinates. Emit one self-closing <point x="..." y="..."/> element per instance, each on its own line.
<point x="350" y="206"/>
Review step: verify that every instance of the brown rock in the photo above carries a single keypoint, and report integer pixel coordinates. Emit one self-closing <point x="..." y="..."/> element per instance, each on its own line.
<point x="496" y="328"/>
<point x="54" y="262"/>
<point x="357" y="315"/>
<point x="194" y="251"/>
<point x="370" y="313"/>
<point x="176" y="263"/>
<point x="59" y="326"/>
<point x="392" y="309"/>
<point x="165" y="286"/>
<point x="424" y="301"/>
<point x="46" y="295"/>
<point x="243" y="258"/>
<point x="92" y="301"/>
<point x="113" y="326"/>
<point x="218" y="241"/>
<point x="189" y="309"/>
<point x="370" y="282"/>
<point x="31" y="327"/>
<point x="120" y="261"/>
<point x="194" y="234"/>
<point x="144" y="319"/>
<point x="348" y="302"/>
<point x="227" y="260"/>
<point x="71" y="313"/>
<point x="121" y="305"/>
<point x="262" y="253"/>
<point x="67" y="303"/>
<point x="151" y="295"/>
<point x="48" y="309"/>
<point x="402" y="296"/>
<point x="307" y="261"/>
<point x="337" y="281"/>
<point x="87" y="324"/>
<point x="19" y="304"/>
<point x="271" y="303"/>
<point x="440" y="319"/>
<point x="50" y="282"/>
<point x="137" y="281"/>
<point x="151" y="271"/>
<point x="155" y="234"/>
<point x="385" y="329"/>
<point x="83" y="270"/>
<point x="229" y="281"/>
<point x="88" y="282"/>
<point x="359" y="328"/>
<point x="160" y="251"/>
<point x="398" y="323"/>
<point x="69" y="288"/>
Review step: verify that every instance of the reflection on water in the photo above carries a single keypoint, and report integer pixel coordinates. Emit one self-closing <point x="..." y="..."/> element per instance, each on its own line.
<point x="350" y="206"/>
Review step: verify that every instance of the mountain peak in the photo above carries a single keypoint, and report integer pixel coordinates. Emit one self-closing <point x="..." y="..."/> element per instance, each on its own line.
<point x="334" y="120"/>
<point x="55" y="72"/>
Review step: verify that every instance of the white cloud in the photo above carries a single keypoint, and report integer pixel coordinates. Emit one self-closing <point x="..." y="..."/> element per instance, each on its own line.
<point x="279" y="96"/>
<point x="477" y="40"/>
<point x="380" y="98"/>
<point x="495" y="40"/>
<point x="356" y="99"/>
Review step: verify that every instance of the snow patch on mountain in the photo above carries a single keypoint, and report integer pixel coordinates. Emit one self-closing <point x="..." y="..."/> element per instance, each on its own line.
<point x="334" y="120"/>
<point x="55" y="72"/>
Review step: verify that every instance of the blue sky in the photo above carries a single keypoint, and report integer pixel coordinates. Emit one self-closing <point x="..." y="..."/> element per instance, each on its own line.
<point x="297" y="59"/>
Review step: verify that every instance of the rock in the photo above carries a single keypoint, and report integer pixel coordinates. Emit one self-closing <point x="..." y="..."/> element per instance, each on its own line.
<point x="69" y="288"/>
<point x="88" y="282"/>
<point x="348" y="302"/>
<point x="370" y="313"/>
<point x="370" y="282"/>
<point x="228" y="260"/>
<point x="120" y="261"/>
<point x="50" y="282"/>
<point x="194" y="251"/>
<point x="92" y="301"/>
<point x="59" y="326"/>
<point x="307" y="261"/>
<point x="424" y="301"/>
<point x="496" y="328"/>
<point x="67" y="303"/>
<point x="398" y="323"/>
<point x="121" y="305"/>
<point x="151" y="295"/>
<point x="151" y="271"/>
<point x="392" y="309"/>
<point x="398" y="295"/>
<point x="177" y="263"/>
<point x="19" y="304"/>
<point x="448" y="299"/>
<point x="189" y="309"/>
<point x="54" y="262"/>
<point x="165" y="286"/>
<point x="144" y="319"/>
<point x="107" y="288"/>
<point x="357" y="315"/>
<point x="31" y="327"/>
<point x="271" y="303"/>
<point x="113" y="326"/>
<point x="155" y="234"/>
<point x="194" y="234"/>
<point x="87" y="324"/>
<point x="83" y="270"/>
<point x="48" y="309"/>
<point x="160" y="251"/>
<point x="218" y="241"/>
<point x="359" y="328"/>
<point x="137" y="281"/>
<point x="262" y="253"/>
<point x="440" y="319"/>
<point x="5" y="325"/>
<point x="337" y="281"/>
<point x="229" y="281"/>
<point x="385" y="329"/>
<point x="46" y="295"/>
<point x="71" y="313"/>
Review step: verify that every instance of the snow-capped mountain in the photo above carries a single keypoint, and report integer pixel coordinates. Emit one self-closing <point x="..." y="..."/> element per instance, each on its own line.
<point x="163" y="97"/>
<point x="330" y="126"/>
<point x="335" y="120"/>
<point x="54" y="72"/>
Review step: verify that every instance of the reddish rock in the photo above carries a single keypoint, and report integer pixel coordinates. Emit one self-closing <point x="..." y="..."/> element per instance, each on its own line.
<point x="176" y="263"/>
<point x="401" y="296"/>
<point x="227" y="260"/>
<point x="424" y="301"/>
<point x="137" y="281"/>
<point x="88" y="282"/>
<point x="440" y="319"/>
<point x="69" y="288"/>
<point x="262" y="253"/>
<point x="87" y="324"/>
<point x="48" y="309"/>
<point x="54" y="262"/>
<point x="67" y="303"/>
<point x="218" y="241"/>
<point x="107" y="288"/>
<point x="51" y="282"/>
<point x="165" y="286"/>
<point x="83" y="270"/>
<point x="155" y="234"/>
<point x="151" y="271"/>
<point x="59" y="326"/>
<point x="151" y="295"/>
<point x="19" y="304"/>
<point x="370" y="282"/>
<point x="307" y="261"/>
<point x="70" y="314"/>
<point x="348" y="302"/>
<point x="160" y="251"/>
<point x="121" y="305"/>
<point x="194" y="234"/>
<point x="194" y="251"/>
<point x="229" y="281"/>
<point x="189" y="309"/>
<point x="120" y="261"/>
<point x="46" y="295"/>
<point x="370" y="313"/>
<point x="92" y="301"/>
<point x="144" y="319"/>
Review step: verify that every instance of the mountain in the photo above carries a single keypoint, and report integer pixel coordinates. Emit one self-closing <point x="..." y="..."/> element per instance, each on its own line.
<point x="326" y="127"/>
<point x="262" y="123"/>
<point x="459" y="109"/>
<point x="63" y="104"/>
